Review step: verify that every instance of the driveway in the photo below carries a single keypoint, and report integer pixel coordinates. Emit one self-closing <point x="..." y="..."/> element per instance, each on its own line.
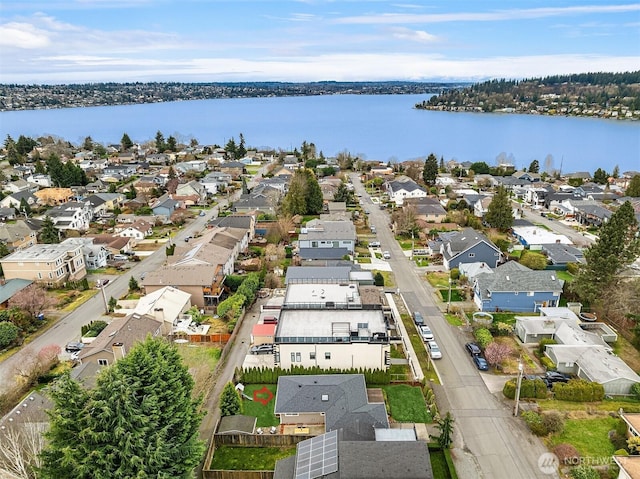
<point x="488" y="441"/>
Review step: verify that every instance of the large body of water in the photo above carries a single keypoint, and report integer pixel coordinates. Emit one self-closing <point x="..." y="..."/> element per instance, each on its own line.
<point x="374" y="127"/>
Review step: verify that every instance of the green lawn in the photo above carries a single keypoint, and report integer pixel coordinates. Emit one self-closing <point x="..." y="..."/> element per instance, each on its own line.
<point x="363" y="260"/>
<point x="453" y="319"/>
<point x="438" y="280"/>
<point x="588" y="436"/>
<point x="389" y="279"/>
<point x="265" y="415"/>
<point x="456" y="295"/>
<point x="565" y="276"/>
<point x="406" y="403"/>
<point x="249" y="458"/>
<point x="439" y="464"/>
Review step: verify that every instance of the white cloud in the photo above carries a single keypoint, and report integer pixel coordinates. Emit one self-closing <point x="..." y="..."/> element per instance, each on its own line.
<point x="22" y="35"/>
<point x="413" y="35"/>
<point x="348" y="67"/>
<point x="497" y="15"/>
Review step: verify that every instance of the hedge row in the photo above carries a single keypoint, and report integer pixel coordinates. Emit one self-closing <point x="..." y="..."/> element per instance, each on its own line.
<point x="529" y="389"/>
<point x="579" y="390"/>
<point x="264" y="375"/>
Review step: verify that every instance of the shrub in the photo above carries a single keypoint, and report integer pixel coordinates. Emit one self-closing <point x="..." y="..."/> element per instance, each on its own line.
<point x="584" y="472"/>
<point x="8" y="333"/>
<point x="498" y="328"/>
<point x="635" y="390"/>
<point x="454" y="274"/>
<point x="553" y="421"/>
<point x="378" y="279"/>
<point x="578" y="390"/>
<point x="529" y="389"/>
<point x="534" y="421"/>
<point x="483" y="337"/>
<point x="548" y="364"/>
<point x="573" y="268"/>
<point x="542" y="345"/>
<point x="567" y="454"/>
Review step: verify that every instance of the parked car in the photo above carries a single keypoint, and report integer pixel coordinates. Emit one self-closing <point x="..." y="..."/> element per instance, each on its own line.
<point x="120" y="257"/>
<point x="417" y="318"/>
<point x="473" y="349"/>
<point x="262" y="349"/>
<point x="74" y="347"/>
<point x="434" y="350"/>
<point x="481" y="363"/>
<point x="551" y="377"/>
<point x="202" y="213"/>
<point x="374" y="244"/>
<point x="188" y="238"/>
<point x="426" y="333"/>
<point x="386" y="255"/>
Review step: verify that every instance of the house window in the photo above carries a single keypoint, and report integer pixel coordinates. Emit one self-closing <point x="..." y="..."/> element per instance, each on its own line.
<point x="50" y="275"/>
<point x="327" y="355"/>
<point x="298" y="357"/>
<point x="312" y="356"/>
<point x="314" y="244"/>
<point x="39" y="275"/>
<point x="472" y="255"/>
<point x="103" y="362"/>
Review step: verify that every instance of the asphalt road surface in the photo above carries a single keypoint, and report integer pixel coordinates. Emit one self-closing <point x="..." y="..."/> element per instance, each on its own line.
<point x="488" y="441"/>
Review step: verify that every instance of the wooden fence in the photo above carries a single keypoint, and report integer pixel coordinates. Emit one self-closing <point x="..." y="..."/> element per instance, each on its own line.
<point x="209" y="338"/>
<point x="247" y="440"/>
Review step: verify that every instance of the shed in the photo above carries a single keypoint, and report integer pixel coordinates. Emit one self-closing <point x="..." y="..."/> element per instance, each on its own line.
<point x="238" y="424"/>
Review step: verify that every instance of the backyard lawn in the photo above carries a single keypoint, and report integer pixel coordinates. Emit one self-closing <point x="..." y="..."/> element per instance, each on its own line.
<point x="263" y="412"/>
<point x="456" y="295"/>
<point x="249" y="458"/>
<point x="589" y="436"/>
<point x="406" y="403"/>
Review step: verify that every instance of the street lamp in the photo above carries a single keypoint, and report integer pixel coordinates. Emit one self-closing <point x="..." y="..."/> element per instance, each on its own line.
<point x="520" y="371"/>
<point x="449" y="298"/>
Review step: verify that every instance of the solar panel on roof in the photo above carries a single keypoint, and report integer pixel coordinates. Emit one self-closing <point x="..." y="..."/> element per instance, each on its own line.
<point x="317" y="456"/>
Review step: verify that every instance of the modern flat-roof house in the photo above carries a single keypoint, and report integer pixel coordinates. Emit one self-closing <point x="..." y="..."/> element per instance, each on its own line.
<point x="513" y="287"/>
<point x="327" y="239"/>
<point x="468" y="246"/>
<point x="327" y="325"/>
<point x="327" y="274"/>
<point x="50" y="264"/>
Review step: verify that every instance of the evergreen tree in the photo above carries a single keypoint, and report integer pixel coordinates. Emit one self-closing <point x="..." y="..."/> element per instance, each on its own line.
<point x="499" y="213"/>
<point x="161" y="146"/>
<point x="295" y="202"/>
<point x="242" y="149"/>
<point x="634" y="187"/>
<point x="445" y="425"/>
<point x="616" y="172"/>
<point x="441" y="167"/>
<point x="231" y="150"/>
<point x="49" y="234"/>
<point x="139" y="421"/>
<point x="125" y="142"/>
<point x="87" y="144"/>
<point x="230" y="403"/>
<point x="24" y="207"/>
<point x="133" y="284"/>
<point x="343" y="194"/>
<point x="600" y="177"/>
<point x="617" y="246"/>
<point x="534" y="167"/>
<point x="315" y="200"/>
<point x="132" y="194"/>
<point x="40" y="168"/>
<point x="172" y="144"/>
<point x="430" y="170"/>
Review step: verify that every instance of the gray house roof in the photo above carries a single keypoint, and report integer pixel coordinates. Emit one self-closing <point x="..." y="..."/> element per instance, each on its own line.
<point x="514" y="280"/>
<point x="341" y="397"/>
<point x="238" y="424"/>
<point x="563" y="253"/>
<point x="460" y="241"/>
<point x="11" y="287"/>
<point x="305" y="273"/>
<point x="396" y="186"/>
<point x="323" y="253"/>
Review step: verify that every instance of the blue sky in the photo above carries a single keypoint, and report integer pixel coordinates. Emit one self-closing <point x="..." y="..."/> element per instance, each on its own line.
<point x="77" y="41"/>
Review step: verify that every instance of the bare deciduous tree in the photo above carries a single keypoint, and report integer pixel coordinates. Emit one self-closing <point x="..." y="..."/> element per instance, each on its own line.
<point x="20" y="447"/>
<point x="33" y="299"/>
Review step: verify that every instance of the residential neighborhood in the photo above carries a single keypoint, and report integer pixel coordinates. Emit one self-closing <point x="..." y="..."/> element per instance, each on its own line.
<point x="350" y="315"/>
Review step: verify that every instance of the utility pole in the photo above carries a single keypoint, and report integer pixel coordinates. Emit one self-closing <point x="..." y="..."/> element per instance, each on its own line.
<point x="104" y="296"/>
<point x="449" y="297"/>
<point x="519" y="384"/>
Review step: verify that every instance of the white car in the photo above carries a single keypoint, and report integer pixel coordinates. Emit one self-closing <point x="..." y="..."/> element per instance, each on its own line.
<point x="426" y="333"/>
<point x="374" y="244"/>
<point x="386" y="255"/>
<point x="434" y="350"/>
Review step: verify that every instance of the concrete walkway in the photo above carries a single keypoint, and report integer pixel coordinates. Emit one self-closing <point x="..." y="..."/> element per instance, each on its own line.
<point x="408" y="347"/>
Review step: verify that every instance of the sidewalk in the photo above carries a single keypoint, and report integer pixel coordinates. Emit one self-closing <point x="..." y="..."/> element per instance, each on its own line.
<point x="408" y="347"/>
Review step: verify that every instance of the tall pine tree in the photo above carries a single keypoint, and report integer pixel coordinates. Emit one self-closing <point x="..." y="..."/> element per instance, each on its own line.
<point x="617" y="246"/>
<point x="499" y="213"/>
<point x="430" y="170"/>
<point x="139" y="421"/>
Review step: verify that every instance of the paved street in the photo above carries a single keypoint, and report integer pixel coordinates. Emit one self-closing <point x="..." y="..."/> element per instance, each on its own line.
<point x="489" y="442"/>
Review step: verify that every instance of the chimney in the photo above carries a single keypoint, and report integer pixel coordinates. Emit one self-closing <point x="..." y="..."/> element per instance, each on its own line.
<point x="118" y="351"/>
